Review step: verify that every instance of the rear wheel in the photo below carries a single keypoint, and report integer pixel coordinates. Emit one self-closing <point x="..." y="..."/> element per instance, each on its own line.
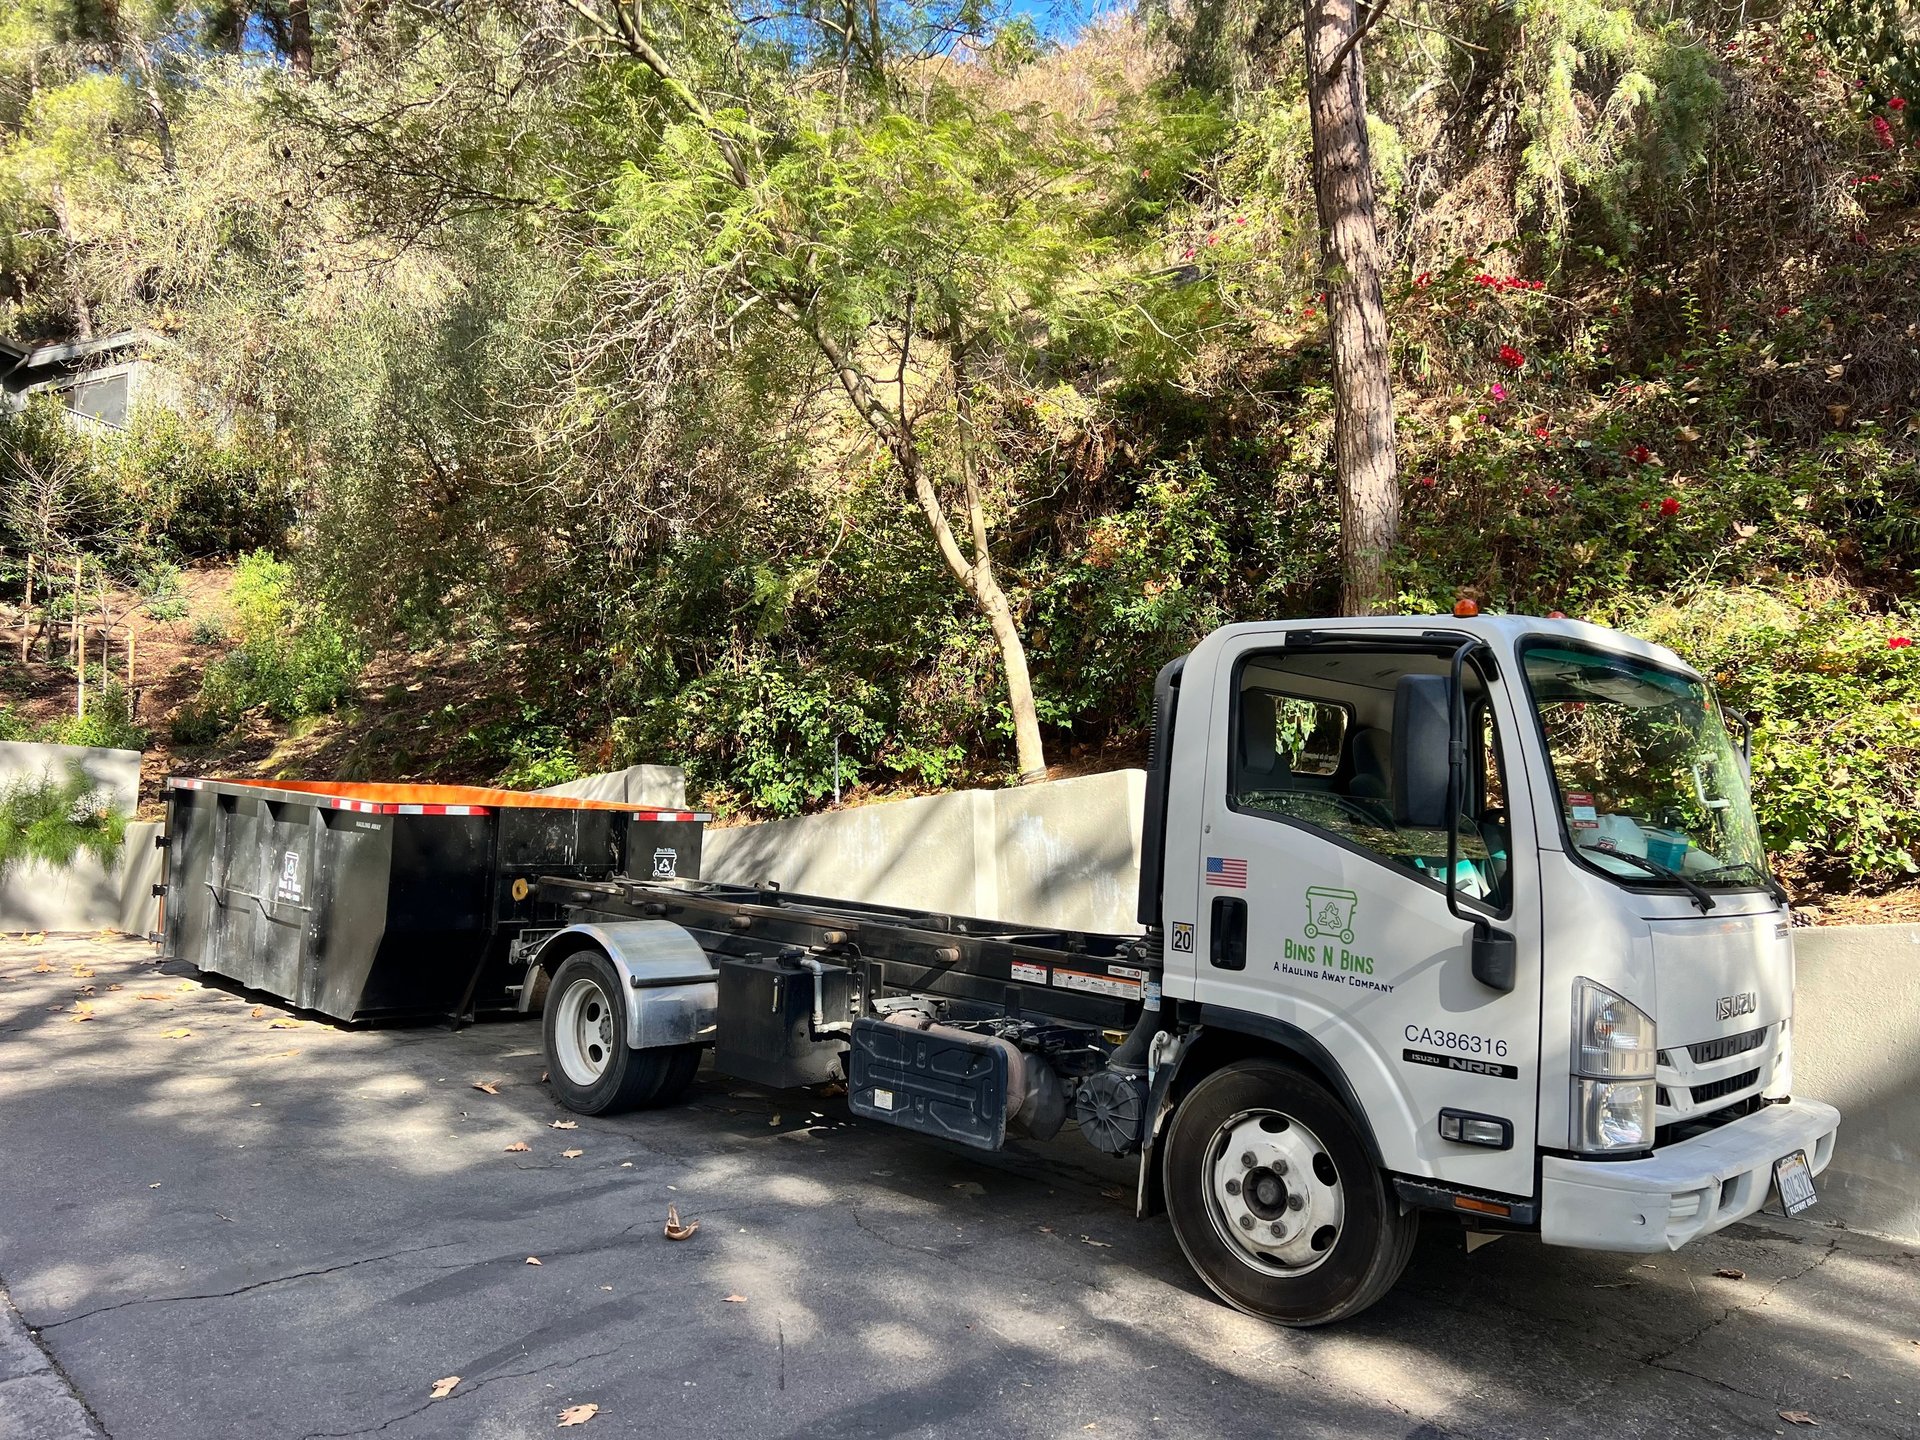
<point x="1275" y="1200"/>
<point x="590" y="1065"/>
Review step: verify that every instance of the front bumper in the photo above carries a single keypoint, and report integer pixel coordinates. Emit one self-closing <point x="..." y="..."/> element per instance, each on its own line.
<point x="1682" y="1191"/>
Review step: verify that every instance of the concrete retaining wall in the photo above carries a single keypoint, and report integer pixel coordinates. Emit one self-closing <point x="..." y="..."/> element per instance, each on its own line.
<point x="116" y="772"/>
<point x="664" y="787"/>
<point x="1065" y="853"/>
<point x="88" y="896"/>
<point x="1856" y="1044"/>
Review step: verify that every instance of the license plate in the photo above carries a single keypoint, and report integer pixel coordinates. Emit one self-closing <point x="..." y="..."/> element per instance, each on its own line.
<point x="1794" y="1179"/>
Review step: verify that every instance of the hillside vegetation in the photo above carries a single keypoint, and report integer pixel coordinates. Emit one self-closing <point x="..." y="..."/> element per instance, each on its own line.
<point x="733" y="388"/>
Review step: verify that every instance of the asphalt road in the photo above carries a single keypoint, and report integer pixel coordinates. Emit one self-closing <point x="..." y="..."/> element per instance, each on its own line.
<point x="250" y="1231"/>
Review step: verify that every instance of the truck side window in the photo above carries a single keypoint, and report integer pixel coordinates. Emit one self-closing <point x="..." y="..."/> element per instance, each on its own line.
<point x="1312" y="745"/>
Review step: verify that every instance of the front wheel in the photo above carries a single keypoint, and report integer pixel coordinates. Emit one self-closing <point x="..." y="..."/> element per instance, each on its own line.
<point x="590" y="1065"/>
<point x="1275" y="1200"/>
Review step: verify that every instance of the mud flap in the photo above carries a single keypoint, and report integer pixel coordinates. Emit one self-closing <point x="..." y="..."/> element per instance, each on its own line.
<point x="947" y="1085"/>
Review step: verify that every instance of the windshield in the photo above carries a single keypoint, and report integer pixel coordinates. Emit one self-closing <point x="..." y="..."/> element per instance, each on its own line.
<point x="1650" y="784"/>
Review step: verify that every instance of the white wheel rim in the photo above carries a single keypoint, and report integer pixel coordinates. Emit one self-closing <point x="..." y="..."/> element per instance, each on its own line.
<point x="583" y="1030"/>
<point x="1274" y="1193"/>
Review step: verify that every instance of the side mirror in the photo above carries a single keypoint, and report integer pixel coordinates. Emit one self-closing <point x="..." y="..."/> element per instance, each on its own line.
<point x="1421" y="706"/>
<point x="1494" y="956"/>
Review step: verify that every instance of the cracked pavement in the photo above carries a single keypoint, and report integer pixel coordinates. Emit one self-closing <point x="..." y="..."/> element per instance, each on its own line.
<point x="254" y="1231"/>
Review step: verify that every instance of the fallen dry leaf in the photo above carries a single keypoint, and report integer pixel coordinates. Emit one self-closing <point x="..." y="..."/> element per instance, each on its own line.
<point x="443" y="1388"/>
<point x="571" y="1154"/>
<point x="39" y="939"/>
<point x="628" y="1165"/>
<point x="1097" y="1244"/>
<point x="675" y="1230"/>
<point x="1731" y="1274"/>
<point x="519" y="1147"/>
<point x="577" y="1415"/>
<point x="1798" y="1417"/>
<point x="179" y="1034"/>
<point x="533" y="1259"/>
<point x="86" y="990"/>
<point x="113" y="987"/>
<point x="736" y="1299"/>
<point x="256" y="1012"/>
<point x="543" y="1077"/>
<point x="43" y="968"/>
<point x="152" y="997"/>
<point x="492" y="1087"/>
<point x="564" y="1125"/>
<point x="185" y="985"/>
<point x="83" y="1015"/>
<point x="83" y="972"/>
<point x="283" y="1023"/>
<point x="774" y="1121"/>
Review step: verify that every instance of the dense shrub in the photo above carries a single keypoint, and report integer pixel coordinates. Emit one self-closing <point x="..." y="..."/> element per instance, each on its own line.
<point x="289" y="659"/>
<point x="1833" y="691"/>
<point x="54" y="819"/>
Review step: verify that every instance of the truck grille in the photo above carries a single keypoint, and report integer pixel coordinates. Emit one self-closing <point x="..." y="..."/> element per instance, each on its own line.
<point x="1698" y="1079"/>
<point x="1708" y="1051"/>
<point x="1703" y="1094"/>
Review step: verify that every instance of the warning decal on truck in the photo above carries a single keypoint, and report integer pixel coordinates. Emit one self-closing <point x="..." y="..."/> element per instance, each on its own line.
<point x="1096" y="984"/>
<point x="1033" y="974"/>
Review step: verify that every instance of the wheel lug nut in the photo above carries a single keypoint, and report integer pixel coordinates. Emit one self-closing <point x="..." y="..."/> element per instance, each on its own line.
<point x="1279" y="1167"/>
<point x="1246" y="1222"/>
<point x="1294" y="1202"/>
<point x="1247" y="1160"/>
<point x="1276" y="1228"/>
<point x="1233" y="1187"/>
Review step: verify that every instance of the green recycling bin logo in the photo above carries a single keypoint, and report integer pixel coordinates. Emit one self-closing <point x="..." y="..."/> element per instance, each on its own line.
<point x="1330" y="913"/>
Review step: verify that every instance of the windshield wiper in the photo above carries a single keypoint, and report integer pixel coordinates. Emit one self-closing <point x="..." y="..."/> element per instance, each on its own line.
<point x="1700" y="896"/>
<point x="1765" y="877"/>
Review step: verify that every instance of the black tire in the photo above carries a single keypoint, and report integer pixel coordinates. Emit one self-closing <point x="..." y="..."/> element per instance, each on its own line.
<point x="601" y="1074"/>
<point x="1368" y="1239"/>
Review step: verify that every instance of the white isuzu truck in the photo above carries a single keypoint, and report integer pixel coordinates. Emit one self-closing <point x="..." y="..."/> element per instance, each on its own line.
<point x="1441" y="914"/>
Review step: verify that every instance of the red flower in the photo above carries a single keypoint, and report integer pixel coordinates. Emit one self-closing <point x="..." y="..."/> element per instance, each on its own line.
<point x="1429" y="481"/>
<point x="1308" y="312"/>
<point x="1239" y="219"/>
<point x="1213" y="240"/>
<point x="1784" y="310"/>
<point x="1423" y="279"/>
<point x="1883" y="132"/>
<point x="1669" y="508"/>
<point x="1540" y="432"/>
<point x="1639" y="454"/>
<point x="1898" y="102"/>
<point x="1146" y="174"/>
<point x="1899" y="642"/>
<point x="1511" y="358"/>
<point x="1188" y="253"/>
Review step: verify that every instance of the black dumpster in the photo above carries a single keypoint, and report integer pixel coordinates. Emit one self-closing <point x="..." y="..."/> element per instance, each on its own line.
<point x="368" y="902"/>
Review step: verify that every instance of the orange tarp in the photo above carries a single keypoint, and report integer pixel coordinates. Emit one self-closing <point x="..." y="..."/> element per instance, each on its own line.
<point x="402" y="794"/>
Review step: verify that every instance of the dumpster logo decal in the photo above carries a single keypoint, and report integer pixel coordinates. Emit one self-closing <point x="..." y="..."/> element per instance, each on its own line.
<point x="666" y="864"/>
<point x="1330" y="913"/>
<point x="287" y="891"/>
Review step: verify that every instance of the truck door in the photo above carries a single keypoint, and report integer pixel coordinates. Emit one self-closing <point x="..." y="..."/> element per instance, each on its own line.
<point x="1318" y="913"/>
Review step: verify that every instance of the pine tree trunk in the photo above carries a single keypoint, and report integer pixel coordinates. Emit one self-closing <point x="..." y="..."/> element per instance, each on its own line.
<point x="300" y="37"/>
<point x="1350" y="250"/>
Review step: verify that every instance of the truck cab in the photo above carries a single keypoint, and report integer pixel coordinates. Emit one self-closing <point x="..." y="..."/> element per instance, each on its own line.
<point x="1494" y="887"/>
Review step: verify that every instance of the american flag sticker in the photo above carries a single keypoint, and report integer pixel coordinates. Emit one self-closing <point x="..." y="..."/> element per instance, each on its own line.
<point x="1227" y="874"/>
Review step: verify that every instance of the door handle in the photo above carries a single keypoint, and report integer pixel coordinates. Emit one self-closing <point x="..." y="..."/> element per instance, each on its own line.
<point x="1227" y="934"/>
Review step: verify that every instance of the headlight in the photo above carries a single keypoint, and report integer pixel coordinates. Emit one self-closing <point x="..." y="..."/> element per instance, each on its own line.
<point x="1612" y="1115"/>
<point x="1611" y="1038"/>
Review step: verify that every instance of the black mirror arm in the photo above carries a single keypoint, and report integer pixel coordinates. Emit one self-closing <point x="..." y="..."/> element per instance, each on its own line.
<point x="1493" y="953"/>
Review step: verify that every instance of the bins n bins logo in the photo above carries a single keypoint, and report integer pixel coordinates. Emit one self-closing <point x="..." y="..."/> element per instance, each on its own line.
<point x="287" y="889"/>
<point x="666" y="864"/>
